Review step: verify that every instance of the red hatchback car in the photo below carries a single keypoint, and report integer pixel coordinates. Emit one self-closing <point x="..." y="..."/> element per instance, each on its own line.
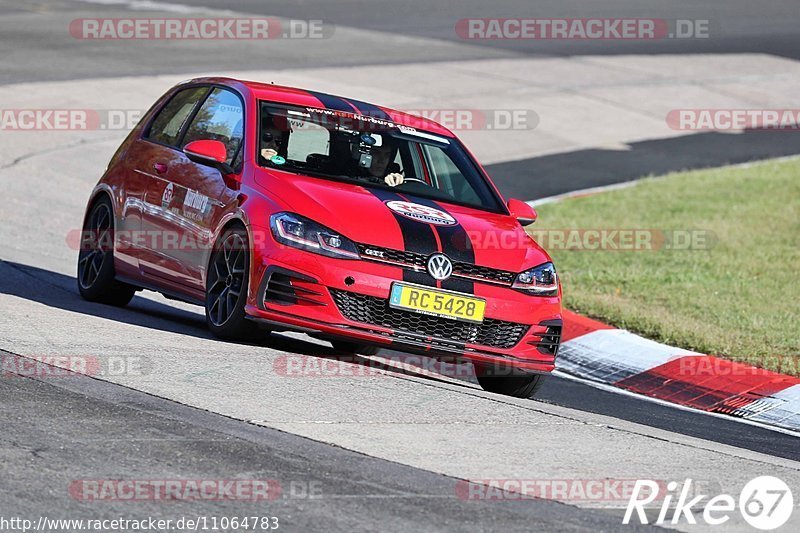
<point x="286" y="209"/>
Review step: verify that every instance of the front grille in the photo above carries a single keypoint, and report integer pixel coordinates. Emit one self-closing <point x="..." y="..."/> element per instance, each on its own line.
<point x="376" y="311"/>
<point x="417" y="261"/>
<point x="376" y="253"/>
<point x="475" y="271"/>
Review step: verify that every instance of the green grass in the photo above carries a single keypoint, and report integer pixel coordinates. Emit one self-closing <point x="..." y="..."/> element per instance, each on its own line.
<point x="738" y="298"/>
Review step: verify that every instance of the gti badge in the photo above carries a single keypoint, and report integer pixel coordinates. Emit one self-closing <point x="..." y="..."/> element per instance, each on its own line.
<point x="374" y="253"/>
<point x="440" y="266"/>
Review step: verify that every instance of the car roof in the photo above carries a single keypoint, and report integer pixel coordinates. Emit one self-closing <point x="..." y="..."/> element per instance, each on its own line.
<point x="309" y="98"/>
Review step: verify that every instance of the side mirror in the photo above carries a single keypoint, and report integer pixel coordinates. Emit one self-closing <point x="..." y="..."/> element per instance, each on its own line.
<point x="210" y="153"/>
<point x="522" y="212"/>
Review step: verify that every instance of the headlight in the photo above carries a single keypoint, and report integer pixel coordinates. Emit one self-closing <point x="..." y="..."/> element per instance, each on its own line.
<point x="301" y="232"/>
<point x="541" y="280"/>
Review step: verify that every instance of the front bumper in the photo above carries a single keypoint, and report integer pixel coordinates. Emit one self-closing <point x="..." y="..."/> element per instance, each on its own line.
<point x="348" y="299"/>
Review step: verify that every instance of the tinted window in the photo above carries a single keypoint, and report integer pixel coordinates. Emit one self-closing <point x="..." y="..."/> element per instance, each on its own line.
<point x="447" y="177"/>
<point x="346" y="147"/>
<point x="308" y="138"/>
<point x="221" y="118"/>
<point x="168" y="123"/>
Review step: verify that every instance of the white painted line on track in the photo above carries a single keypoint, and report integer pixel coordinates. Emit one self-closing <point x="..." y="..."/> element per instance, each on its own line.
<point x="170" y="7"/>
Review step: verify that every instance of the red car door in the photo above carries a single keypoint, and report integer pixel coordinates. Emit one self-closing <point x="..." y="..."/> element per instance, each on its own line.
<point x="187" y="200"/>
<point x="150" y="159"/>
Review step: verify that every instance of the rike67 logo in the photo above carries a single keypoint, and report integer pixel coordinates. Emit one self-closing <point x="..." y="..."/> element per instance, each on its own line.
<point x="765" y="503"/>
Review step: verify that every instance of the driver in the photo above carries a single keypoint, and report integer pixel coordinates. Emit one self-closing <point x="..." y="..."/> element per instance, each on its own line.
<point x="269" y="146"/>
<point x="273" y="129"/>
<point x="381" y="167"/>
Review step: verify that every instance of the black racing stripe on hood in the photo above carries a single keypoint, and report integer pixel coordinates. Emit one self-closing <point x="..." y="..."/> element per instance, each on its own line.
<point x="456" y="244"/>
<point x="418" y="237"/>
<point x="333" y="102"/>
<point x="369" y="110"/>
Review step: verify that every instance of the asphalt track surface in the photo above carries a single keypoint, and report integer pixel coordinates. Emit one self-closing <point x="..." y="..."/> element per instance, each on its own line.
<point x="66" y="427"/>
<point x="736" y="26"/>
<point x="29" y="46"/>
<point x="60" y="429"/>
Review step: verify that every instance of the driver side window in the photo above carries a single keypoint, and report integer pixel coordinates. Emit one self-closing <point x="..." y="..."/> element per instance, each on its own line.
<point x="220" y="118"/>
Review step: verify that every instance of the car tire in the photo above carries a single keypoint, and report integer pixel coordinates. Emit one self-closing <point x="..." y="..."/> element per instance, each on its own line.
<point x="517" y="386"/>
<point x="96" y="276"/>
<point x="226" y="288"/>
<point x="354" y="347"/>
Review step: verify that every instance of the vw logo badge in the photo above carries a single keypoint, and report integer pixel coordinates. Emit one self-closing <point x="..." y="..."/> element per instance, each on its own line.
<point x="440" y="266"/>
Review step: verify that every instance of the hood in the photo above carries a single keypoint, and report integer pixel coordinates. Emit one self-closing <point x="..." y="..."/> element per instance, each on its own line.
<point x="406" y="222"/>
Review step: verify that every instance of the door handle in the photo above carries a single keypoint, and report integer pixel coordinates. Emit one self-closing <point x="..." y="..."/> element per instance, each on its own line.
<point x="160" y="167"/>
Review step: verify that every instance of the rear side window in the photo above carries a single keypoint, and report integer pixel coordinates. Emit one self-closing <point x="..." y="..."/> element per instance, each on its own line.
<point x="221" y="118"/>
<point x="307" y="138"/>
<point x="168" y="123"/>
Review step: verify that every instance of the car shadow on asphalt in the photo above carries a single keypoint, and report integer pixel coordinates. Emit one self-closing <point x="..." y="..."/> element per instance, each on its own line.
<point x="60" y="291"/>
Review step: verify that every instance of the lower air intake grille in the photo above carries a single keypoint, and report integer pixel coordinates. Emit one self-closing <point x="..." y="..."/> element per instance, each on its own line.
<point x="279" y="289"/>
<point x="376" y="311"/>
<point x="549" y="340"/>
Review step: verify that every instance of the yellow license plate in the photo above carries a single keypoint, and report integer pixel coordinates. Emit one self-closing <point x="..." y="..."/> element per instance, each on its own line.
<point x="437" y="302"/>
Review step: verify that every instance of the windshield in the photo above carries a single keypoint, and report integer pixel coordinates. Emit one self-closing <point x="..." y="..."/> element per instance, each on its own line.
<point x="371" y="152"/>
